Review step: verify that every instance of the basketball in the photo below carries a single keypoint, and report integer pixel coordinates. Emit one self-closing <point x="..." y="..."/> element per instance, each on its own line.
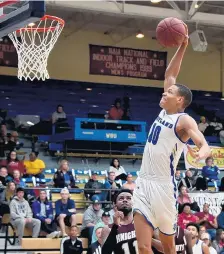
<point x="171" y="32"/>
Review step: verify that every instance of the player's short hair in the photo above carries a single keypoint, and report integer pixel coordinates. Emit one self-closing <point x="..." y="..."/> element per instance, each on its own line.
<point x="74" y="226"/>
<point x="192" y="224"/>
<point x="119" y="192"/>
<point x="185" y="92"/>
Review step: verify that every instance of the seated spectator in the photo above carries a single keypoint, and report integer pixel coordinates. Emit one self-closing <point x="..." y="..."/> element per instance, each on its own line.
<point x="105" y="220"/>
<point x="91" y="217"/>
<point x="130" y="184"/>
<point x="34" y="166"/>
<point x="4" y="177"/>
<point x="12" y="163"/>
<point x="118" y="169"/>
<point x="205" y="237"/>
<point x="221" y="188"/>
<point x="5" y="198"/>
<point x="71" y="244"/>
<point x="217" y="126"/>
<point x="188" y="181"/>
<point x="207" y="219"/>
<point x="186" y="216"/>
<point x="203" y="124"/>
<point x="218" y="243"/>
<point x="63" y="177"/>
<point x="58" y="114"/>
<point x="65" y="211"/>
<point x="178" y="177"/>
<point x="221" y="136"/>
<point x="220" y="218"/>
<point x="16" y="178"/>
<point x="116" y="112"/>
<point x="95" y="247"/>
<point x="210" y="171"/>
<point x="111" y="184"/>
<point x="21" y="215"/>
<point x="43" y="211"/>
<point x="96" y="186"/>
<point x="13" y="142"/>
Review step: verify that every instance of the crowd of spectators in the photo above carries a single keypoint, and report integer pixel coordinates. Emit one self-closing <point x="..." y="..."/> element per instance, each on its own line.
<point x="27" y="210"/>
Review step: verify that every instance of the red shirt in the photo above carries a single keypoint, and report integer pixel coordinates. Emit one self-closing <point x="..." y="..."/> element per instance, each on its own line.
<point x="209" y="218"/>
<point x="13" y="165"/>
<point x="116" y="113"/>
<point x="184" y="219"/>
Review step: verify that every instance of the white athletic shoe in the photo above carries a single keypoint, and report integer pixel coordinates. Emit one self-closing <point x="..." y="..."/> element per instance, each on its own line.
<point x="52" y="235"/>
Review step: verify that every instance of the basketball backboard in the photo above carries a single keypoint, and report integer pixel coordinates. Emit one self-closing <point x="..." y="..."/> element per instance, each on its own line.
<point x="16" y="14"/>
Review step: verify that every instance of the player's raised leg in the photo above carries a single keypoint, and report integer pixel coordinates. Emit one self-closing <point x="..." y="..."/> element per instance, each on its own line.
<point x="168" y="243"/>
<point x="144" y="233"/>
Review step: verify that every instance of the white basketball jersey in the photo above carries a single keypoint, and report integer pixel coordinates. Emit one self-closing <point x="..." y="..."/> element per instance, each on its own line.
<point x="197" y="248"/>
<point x="163" y="149"/>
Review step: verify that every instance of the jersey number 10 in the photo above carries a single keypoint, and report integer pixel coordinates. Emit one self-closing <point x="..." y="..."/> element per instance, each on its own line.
<point x="125" y="247"/>
<point x="154" y="134"/>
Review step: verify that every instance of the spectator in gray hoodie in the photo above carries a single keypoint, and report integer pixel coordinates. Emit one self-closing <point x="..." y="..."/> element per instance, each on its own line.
<point x="21" y="215"/>
<point x="91" y="216"/>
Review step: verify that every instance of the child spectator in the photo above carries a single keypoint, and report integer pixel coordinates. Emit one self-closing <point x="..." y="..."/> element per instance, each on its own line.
<point x="63" y="177"/>
<point x="21" y="215"/>
<point x="43" y="211"/>
<point x="34" y="166"/>
<point x="71" y="244"/>
<point x="65" y="211"/>
<point x="12" y="163"/>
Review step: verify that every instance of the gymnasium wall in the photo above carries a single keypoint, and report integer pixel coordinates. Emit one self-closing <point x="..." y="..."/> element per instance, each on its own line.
<point x="70" y="61"/>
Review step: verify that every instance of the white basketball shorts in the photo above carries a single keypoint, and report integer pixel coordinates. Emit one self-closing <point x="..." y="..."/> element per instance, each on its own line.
<point x="156" y="201"/>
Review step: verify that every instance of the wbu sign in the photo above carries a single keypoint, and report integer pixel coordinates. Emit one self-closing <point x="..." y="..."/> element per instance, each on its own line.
<point x="111" y="135"/>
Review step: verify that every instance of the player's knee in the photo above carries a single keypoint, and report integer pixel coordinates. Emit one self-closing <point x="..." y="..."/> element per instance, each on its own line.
<point x="144" y="248"/>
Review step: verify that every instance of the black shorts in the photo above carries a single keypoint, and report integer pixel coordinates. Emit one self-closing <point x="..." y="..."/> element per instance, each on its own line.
<point x="67" y="220"/>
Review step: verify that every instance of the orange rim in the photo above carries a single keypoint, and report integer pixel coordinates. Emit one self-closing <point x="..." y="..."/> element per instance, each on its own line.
<point x="44" y="29"/>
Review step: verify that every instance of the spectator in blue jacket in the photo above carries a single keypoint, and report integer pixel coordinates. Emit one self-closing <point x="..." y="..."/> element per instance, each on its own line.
<point x="65" y="211"/>
<point x="220" y="218"/>
<point x="43" y="211"/>
<point x="211" y="172"/>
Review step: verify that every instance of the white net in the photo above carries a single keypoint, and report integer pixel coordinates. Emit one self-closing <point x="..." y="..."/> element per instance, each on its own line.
<point x="33" y="45"/>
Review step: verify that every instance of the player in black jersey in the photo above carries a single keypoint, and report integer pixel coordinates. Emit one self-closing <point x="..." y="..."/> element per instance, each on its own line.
<point x="120" y="237"/>
<point x="183" y="242"/>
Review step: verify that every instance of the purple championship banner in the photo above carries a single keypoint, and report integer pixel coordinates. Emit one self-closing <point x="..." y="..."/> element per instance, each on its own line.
<point x="127" y="62"/>
<point x="8" y="54"/>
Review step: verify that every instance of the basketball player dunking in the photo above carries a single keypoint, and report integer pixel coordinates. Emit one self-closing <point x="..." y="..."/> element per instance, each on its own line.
<point x="120" y="238"/>
<point x="155" y="204"/>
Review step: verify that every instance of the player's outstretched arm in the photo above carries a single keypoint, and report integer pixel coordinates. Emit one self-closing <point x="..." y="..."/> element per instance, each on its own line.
<point x="188" y="237"/>
<point x="190" y="127"/>
<point x="173" y="68"/>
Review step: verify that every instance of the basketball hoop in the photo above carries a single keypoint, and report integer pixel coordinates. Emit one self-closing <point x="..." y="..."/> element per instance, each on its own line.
<point x="33" y="44"/>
